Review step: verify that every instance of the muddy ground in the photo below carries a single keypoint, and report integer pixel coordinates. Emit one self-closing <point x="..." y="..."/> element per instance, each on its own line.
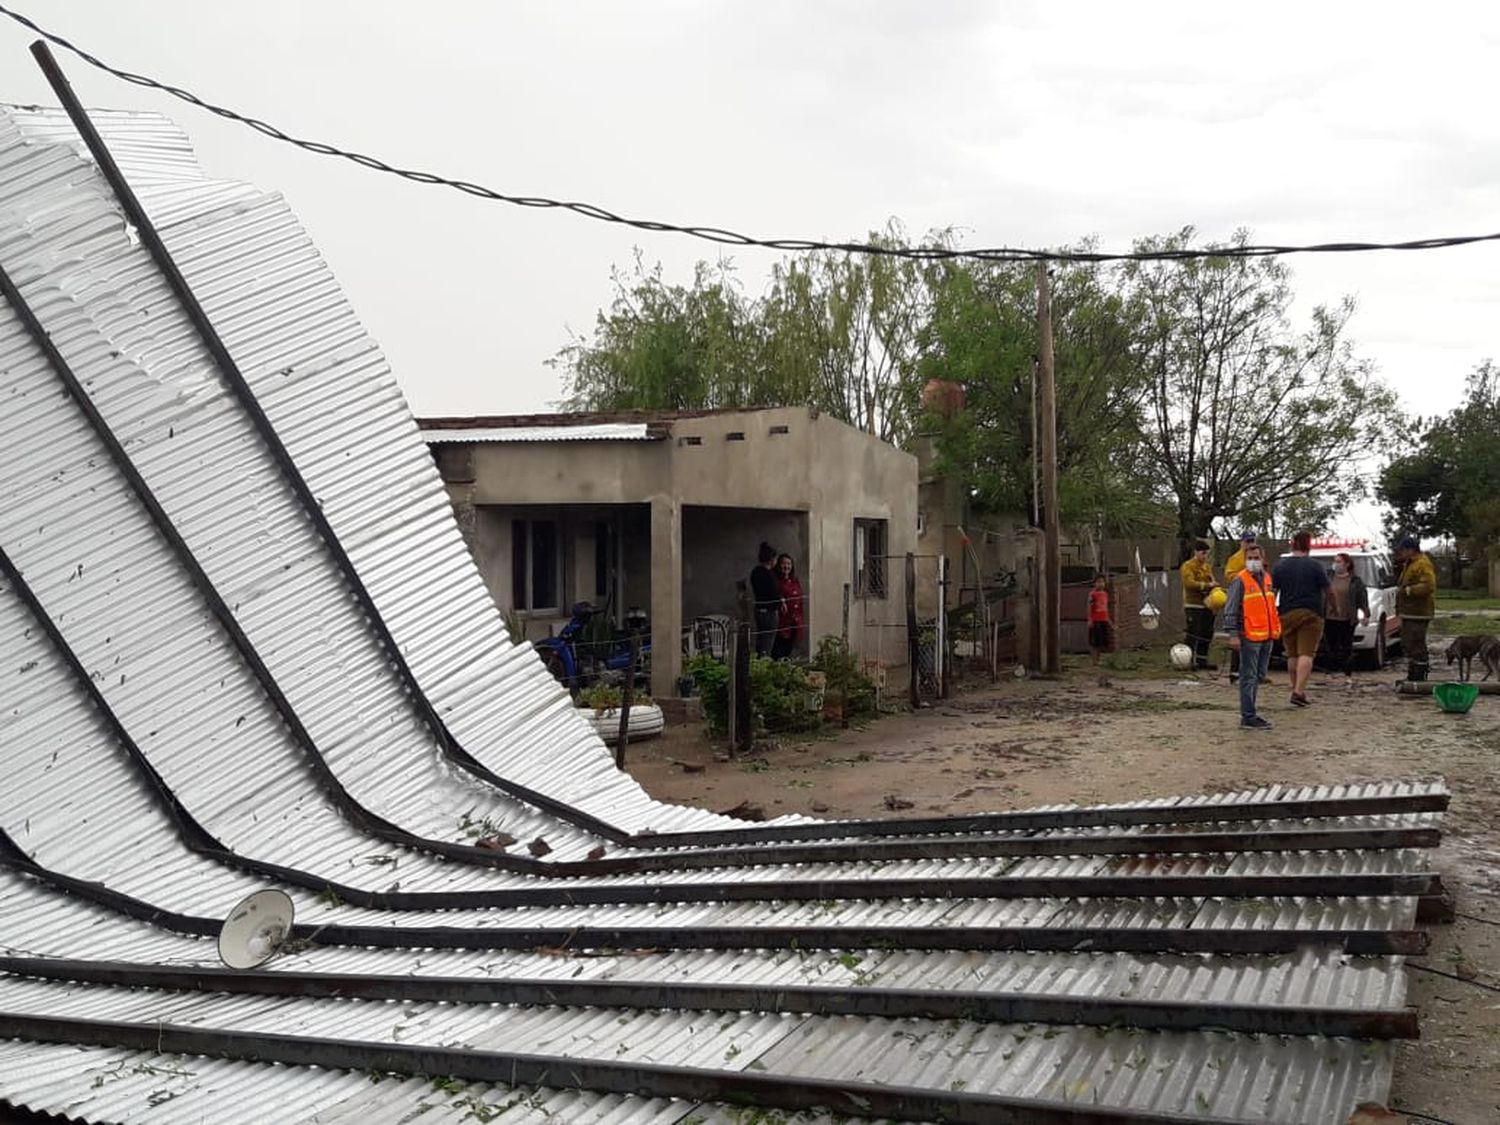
<point x="1151" y="733"/>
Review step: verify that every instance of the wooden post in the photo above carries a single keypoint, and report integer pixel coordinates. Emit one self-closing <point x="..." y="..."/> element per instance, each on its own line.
<point x="845" y="632"/>
<point x="913" y="640"/>
<point x="627" y="696"/>
<point x="739" y="671"/>
<point x="1051" y="561"/>
<point x="942" y="641"/>
<point x="731" y="702"/>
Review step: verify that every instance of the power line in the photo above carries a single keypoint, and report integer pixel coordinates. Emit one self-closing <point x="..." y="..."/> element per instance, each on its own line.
<point x="732" y="238"/>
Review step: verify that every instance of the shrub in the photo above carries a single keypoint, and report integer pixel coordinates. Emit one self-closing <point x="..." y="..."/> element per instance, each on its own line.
<point x="778" y="694"/>
<point x="846" y="680"/>
<point x="711" y="677"/>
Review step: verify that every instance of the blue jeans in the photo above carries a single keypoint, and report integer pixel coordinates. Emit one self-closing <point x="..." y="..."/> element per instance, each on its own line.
<point x="1255" y="662"/>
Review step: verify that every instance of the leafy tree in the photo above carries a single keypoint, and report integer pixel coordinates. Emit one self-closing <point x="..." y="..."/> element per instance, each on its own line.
<point x="1449" y="486"/>
<point x="1249" y="417"/>
<point x="983" y="334"/>
<point x="837" y="332"/>
<point x="669" y="347"/>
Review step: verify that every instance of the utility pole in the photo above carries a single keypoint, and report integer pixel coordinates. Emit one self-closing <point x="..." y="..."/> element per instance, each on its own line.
<point x="1050" y="607"/>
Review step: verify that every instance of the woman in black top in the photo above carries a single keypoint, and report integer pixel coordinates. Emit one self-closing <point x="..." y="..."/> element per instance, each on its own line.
<point x="765" y="593"/>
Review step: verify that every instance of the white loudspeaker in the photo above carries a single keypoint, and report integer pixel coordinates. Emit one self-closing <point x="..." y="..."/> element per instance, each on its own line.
<point x="255" y="929"/>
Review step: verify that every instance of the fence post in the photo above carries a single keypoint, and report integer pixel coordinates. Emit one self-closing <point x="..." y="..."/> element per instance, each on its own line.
<point x="739" y="672"/>
<point x="913" y="639"/>
<point x="627" y="696"/>
<point x="940" y="656"/>
<point x="845" y="633"/>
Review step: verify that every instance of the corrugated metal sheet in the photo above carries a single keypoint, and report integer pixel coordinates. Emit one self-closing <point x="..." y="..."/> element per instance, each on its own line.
<point x="593" y="431"/>
<point x="78" y="806"/>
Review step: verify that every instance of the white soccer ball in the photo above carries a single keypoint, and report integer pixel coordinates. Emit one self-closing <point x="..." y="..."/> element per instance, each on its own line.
<point x="1182" y="657"/>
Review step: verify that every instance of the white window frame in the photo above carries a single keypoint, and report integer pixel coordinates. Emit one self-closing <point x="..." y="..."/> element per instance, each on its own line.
<point x="525" y="579"/>
<point x="871" y="574"/>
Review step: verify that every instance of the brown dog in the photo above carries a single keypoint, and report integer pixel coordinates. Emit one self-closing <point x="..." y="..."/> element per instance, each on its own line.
<point x="1465" y="649"/>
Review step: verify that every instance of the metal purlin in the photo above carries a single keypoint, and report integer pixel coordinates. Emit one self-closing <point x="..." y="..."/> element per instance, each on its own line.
<point x="980" y="1006"/>
<point x="561" y="809"/>
<point x="854" y="1097"/>
<point x="357" y="813"/>
<point x="232" y="375"/>
<point x="984" y="939"/>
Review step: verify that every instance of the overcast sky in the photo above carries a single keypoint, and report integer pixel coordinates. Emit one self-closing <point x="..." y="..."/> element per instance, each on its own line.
<point x="1020" y="124"/>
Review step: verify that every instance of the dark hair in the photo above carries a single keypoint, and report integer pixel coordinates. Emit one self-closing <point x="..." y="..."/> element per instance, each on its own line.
<point x="1302" y="541"/>
<point x="1202" y="545"/>
<point x="767" y="552"/>
<point x="1101" y="577"/>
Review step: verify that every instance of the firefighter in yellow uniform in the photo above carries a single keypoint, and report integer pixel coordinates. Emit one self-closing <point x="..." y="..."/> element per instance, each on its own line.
<point x="1414" y="602"/>
<point x="1197" y="580"/>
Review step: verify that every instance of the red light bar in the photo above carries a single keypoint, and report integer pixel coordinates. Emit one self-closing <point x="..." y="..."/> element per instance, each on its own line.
<point x="1341" y="543"/>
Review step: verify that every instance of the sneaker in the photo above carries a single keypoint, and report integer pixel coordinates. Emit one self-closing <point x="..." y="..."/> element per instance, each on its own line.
<point x="1300" y="700"/>
<point x="1255" y="722"/>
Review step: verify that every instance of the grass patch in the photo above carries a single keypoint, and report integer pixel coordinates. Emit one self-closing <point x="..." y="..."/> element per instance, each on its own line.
<point x="1452" y="626"/>
<point x="1462" y="600"/>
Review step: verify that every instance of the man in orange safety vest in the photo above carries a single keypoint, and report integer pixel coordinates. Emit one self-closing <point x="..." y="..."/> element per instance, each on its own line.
<point x="1251" y="620"/>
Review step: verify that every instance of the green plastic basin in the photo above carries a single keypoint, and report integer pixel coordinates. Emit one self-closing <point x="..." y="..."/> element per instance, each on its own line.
<point x="1455" y="698"/>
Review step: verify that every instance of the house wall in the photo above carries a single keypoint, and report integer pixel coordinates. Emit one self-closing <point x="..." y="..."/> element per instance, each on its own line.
<point x="789" y="460"/>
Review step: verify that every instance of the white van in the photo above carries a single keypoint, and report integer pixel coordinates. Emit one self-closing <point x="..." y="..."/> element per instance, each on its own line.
<point x="1382" y="632"/>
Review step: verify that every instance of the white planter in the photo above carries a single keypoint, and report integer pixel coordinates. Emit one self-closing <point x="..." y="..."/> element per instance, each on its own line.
<point x="646" y="721"/>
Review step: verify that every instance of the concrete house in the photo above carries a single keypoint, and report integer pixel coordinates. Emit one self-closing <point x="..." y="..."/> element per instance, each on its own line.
<point x="664" y="512"/>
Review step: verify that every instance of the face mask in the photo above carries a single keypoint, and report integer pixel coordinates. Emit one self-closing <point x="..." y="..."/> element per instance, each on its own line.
<point x="1254" y="566"/>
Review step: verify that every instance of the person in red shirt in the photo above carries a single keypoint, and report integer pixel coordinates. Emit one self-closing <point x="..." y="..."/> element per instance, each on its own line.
<point x="1099" y="616"/>
<point x="789" y="621"/>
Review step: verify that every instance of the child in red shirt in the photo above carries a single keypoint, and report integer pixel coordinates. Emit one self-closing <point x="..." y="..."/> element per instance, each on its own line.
<point x="1099" y="617"/>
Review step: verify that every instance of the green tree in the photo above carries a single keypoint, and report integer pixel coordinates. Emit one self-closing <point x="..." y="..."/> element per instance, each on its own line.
<point x="845" y="331"/>
<point x="1247" y="416"/>
<point x="983" y="335"/>
<point x="834" y="331"/>
<point x="1449" y="486"/>
<point x="668" y="347"/>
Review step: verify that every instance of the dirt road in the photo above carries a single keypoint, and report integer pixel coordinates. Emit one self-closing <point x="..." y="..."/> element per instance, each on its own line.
<point x="1087" y="740"/>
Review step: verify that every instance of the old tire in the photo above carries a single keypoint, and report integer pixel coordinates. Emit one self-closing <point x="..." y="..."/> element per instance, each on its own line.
<point x="646" y="721"/>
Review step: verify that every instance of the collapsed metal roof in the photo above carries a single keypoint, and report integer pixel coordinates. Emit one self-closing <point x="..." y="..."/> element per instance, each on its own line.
<point x="242" y="645"/>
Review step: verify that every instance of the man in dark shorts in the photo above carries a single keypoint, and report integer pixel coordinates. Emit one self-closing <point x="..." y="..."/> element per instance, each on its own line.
<point x="1302" y="600"/>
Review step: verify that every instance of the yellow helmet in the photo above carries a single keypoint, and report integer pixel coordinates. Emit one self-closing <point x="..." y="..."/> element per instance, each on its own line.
<point x="1216" y="599"/>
